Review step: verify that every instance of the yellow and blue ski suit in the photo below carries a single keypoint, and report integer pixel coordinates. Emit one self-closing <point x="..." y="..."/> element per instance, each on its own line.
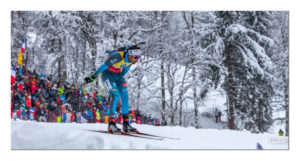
<point x="113" y="70"/>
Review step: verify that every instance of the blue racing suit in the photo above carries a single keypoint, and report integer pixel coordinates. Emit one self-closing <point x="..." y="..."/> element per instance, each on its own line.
<point x="113" y="70"/>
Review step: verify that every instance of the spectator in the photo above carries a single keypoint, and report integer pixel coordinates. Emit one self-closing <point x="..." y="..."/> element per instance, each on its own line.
<point x="90" y="116"/>
<point x="28" y="102"/>
<point x="219" y="116"/>
<point x="216" y="115"/>
<point x="149" y="119"/>
<point x="41" y="114"/>
<point x="20" y="86"/>
<point x="280" y="132"/>
<point x="44" y="99"/>
<point x="98" y="118"/>
<point x="51" y="112"/>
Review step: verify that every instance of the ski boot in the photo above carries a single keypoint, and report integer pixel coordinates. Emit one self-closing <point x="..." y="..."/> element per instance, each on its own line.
<point x="126" y="126"/>
<point x="112" y="126"/>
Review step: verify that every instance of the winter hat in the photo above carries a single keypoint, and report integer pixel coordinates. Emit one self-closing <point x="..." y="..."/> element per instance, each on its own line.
<point x="60" y="91"/>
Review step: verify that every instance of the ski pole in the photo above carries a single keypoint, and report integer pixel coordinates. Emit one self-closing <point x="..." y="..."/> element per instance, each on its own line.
<point x="101" y="91"/>
<point x="71" y="89"/>
<point x="74" y="88"/>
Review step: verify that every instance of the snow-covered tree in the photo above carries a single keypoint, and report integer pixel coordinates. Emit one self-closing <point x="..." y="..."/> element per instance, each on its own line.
<point x="280" y="57"/>
<point x="249" y="79"/>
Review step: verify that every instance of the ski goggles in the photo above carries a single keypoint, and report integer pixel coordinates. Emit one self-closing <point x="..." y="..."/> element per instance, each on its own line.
<point x="136" y="57"/>
<point x="135" y="52"/>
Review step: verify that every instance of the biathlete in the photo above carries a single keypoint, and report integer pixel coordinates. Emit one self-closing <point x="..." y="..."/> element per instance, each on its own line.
<point x="113" y="71"/>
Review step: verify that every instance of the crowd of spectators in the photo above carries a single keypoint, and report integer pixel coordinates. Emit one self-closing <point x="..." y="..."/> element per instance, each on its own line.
<point x="39" y="97"/>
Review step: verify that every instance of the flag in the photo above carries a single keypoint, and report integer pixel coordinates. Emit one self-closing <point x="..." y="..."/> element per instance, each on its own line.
<point x="84" y="117"/>
<point x="20" y="58"/>
<point x="23" y="47"/>
<point x="64" y="118"/>
<point x="13" y="75"/>
<point x="31" y="113"/>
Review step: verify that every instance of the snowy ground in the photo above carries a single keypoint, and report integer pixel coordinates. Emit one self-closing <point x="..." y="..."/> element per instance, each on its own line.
<point x="35" y="135"/>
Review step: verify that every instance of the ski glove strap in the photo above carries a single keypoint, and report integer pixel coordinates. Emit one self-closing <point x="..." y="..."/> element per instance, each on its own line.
<point x="89" y="79"/>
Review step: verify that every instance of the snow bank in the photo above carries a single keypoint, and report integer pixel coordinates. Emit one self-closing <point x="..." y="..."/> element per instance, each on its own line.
<point x="35" y="135"/>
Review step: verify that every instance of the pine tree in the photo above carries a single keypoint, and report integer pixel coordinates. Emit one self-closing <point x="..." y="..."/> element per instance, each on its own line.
<point x="249" y="86"/>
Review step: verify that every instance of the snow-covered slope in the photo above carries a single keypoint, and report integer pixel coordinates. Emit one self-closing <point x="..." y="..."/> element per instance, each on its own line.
<point x="35" y="135"/>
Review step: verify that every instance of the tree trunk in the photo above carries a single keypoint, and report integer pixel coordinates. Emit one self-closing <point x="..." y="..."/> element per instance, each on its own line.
<point x="94" y="57"/>
<point x="163" y="94"/>
<point x="171" y="106"/>
<point x="59" y="70"/>
<point x="172" y="119"/>
<point x="180" y="113"/>
<point x="260" y="117"/>
<point x="83" y="58"/>
<point x="26" y="54"/>
<point x="195" y="98"/>
<point x="228" y="51"/>
<point x="139" y="94"/>
<point x="190" y="26"/>
<point x="182" y="91"/>
<point x="286" y="104"/>
<point x="32" y="56"/>
<point x="75" y="81"/>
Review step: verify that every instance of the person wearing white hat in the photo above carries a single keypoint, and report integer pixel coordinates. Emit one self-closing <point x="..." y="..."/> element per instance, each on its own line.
<point x="113" y="71"/>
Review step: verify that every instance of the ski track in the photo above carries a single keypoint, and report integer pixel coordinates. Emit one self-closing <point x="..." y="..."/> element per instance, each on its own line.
<point x="35" y="135"/>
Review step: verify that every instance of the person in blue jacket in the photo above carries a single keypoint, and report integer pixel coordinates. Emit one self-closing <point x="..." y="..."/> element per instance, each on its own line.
<point x="113" y="71"/>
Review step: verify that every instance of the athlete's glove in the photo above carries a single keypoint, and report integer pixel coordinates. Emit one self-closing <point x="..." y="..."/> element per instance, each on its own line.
<point x="89" y="79"/>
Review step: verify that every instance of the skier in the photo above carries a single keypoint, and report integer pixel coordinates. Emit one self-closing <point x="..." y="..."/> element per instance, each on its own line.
<point x="113" y="70"/>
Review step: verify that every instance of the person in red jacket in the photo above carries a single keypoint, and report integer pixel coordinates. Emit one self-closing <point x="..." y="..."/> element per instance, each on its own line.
<point x="33" y="85"/>
<point x="94" y="114"/>
<point x="20" y="86"/>
<point x="94" y="95"/>
<point x="28" y="102"/>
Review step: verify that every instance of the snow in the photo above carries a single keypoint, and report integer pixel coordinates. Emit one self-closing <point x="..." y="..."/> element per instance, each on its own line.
<point x="235" y="29"/>
<point x="36" y="135"/>
<point x="214" y="99"/>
